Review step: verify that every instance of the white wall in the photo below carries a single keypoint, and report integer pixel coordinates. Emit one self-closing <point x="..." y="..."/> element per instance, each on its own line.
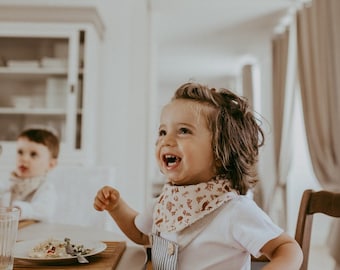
<point x="123" y="122"/>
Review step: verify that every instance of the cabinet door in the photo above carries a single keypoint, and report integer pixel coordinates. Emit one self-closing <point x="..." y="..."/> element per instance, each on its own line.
<point x="41" y="82"/>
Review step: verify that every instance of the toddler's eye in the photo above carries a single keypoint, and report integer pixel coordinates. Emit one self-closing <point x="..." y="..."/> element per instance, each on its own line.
<point x="34" y="154"/>
<point x="161" y="132"/>
<point x="20" y="152"/>
<point x="184" y="131"/>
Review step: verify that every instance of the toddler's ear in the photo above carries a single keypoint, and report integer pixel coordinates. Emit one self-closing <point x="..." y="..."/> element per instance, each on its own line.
<point x="219" y="166"/>
<point x="53" y="163"/>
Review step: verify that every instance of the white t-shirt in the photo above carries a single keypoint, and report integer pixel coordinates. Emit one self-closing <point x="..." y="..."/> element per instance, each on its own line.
<point x="240" y="229"/>
<point x="41" y="206"/>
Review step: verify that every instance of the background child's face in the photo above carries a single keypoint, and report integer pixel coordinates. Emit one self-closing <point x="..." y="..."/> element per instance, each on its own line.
<point x="32" y="159"/>
<point x="183" y="150"/>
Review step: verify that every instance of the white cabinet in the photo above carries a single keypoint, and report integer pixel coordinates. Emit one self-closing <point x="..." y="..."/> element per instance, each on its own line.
<point x="49" y="76"/>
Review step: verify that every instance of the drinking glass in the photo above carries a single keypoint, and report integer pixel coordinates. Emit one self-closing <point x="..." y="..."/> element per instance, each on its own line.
<point x="9" y="218"/>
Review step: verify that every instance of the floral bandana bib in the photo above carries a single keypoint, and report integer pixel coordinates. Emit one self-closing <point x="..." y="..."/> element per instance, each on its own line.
<point x="22" y="189"/>
<point x="180" y="206"/>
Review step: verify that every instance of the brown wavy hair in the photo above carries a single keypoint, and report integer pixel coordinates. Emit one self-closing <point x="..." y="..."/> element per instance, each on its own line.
<point x="236" y="134"/>
<point x="44" y="137"/>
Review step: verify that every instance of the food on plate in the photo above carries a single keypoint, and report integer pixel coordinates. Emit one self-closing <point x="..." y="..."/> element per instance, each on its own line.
<point x="54" y="248"/>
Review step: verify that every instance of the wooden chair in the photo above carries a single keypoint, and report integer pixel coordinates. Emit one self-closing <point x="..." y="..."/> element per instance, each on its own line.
<point x="313" y="202"/>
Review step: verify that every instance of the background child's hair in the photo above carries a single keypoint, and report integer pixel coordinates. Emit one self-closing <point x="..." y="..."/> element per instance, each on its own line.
<point x="42" y="136"/>
<point x="236" y="135"/>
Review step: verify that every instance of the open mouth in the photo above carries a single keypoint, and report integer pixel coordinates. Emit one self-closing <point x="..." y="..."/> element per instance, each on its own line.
<point x="171" y="160"/>
<point x="23" y="168"/>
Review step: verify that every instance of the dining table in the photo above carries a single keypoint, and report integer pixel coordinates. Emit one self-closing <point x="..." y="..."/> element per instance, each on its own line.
<point x="120" y="252"/>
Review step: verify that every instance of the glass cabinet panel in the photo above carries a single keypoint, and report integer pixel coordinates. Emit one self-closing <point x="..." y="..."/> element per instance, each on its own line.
<point x="37" y="86"/>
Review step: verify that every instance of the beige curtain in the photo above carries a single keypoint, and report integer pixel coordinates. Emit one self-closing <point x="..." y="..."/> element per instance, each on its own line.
<point x="284" y="82"/>
<point x="319" y="71"/>
<point x="318" y="28"/>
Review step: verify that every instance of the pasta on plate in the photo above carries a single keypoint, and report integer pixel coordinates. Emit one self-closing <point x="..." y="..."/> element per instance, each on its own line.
<point x="54" y="248"/>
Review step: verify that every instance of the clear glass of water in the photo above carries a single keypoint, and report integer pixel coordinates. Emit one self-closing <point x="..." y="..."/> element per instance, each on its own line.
<point x="9" y="218"/>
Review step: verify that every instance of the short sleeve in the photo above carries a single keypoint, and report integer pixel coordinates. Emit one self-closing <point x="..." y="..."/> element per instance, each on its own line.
<point x="143" y="220"/>
<point x="253" y="228"/>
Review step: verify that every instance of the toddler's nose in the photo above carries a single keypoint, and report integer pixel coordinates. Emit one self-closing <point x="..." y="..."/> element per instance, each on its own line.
<point x="23" y="157"/>
<point x="168" y="140"/>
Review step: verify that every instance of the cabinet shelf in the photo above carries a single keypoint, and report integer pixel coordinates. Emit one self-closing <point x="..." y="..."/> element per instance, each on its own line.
<point x="49" y="75"/>
<point x="33" y="111"/>
<point x="34" y="71"/>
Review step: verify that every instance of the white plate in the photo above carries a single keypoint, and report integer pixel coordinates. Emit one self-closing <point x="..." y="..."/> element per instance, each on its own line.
<point x="22" y="249"/>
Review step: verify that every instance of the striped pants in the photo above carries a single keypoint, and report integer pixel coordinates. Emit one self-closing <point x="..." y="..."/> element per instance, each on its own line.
<point x="164" y="253"/>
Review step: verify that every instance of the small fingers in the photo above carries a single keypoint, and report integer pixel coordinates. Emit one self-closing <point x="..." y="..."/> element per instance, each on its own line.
<point x="106" y="198"/>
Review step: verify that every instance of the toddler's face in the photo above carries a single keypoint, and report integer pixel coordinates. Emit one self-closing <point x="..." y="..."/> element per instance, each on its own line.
<point x="32" y="159"/>
<point x="183" y="149"/>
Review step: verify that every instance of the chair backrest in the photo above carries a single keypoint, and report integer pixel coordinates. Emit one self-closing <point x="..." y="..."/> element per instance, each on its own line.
<point x="76" y="188"/>
<point x="313" y="202"/>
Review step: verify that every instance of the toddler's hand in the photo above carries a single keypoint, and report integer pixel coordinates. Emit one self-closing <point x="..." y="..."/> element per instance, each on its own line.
<point x="107" y="199"/>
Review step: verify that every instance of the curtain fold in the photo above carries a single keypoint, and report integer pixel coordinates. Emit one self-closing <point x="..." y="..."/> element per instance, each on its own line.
<point x="319" y="67"/>
<point x="319" y="72"/>
<point x="284" y="81"/>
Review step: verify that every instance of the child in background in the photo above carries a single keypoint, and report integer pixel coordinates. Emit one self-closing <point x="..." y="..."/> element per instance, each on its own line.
<point x="37" y="154"/>
<point x="207" y="147"/>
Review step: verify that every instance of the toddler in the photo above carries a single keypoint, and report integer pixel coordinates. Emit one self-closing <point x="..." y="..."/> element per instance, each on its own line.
<point x="207" y="148"/>
<point x="37" y="154"/>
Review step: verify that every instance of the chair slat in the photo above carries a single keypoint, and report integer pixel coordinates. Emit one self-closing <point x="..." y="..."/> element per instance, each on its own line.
<point x="312" y="202"/>
<point x="325" y="202"/>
